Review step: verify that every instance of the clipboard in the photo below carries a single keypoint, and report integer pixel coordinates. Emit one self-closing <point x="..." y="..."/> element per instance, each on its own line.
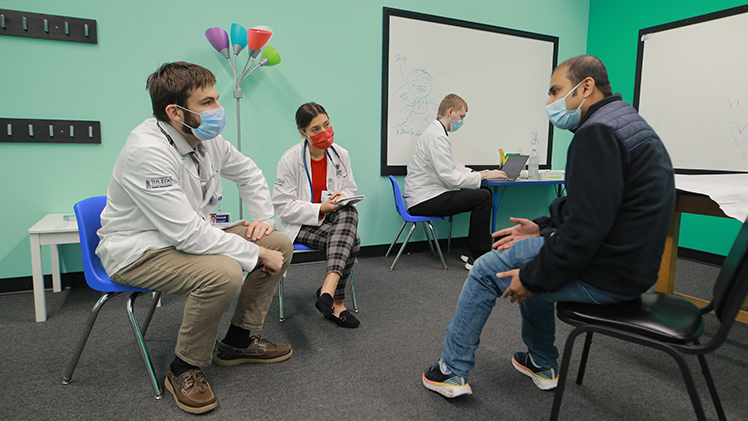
<point x="346" y="201"/>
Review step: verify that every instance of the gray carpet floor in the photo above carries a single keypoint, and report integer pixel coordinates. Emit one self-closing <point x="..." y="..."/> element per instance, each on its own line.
<point x="370" y="373"/>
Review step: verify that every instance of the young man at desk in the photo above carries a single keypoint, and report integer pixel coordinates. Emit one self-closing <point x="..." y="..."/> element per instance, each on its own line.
<point x="602" y="243"/>
<point x="437" y="186"/>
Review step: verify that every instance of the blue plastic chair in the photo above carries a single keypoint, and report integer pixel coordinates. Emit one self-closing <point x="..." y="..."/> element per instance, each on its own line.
<point x="281" y="301"/>
<point x="88" y="216"/>
<point x="425" y="220"/>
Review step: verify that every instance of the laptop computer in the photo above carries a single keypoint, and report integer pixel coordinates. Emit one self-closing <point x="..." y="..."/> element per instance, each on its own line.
<point x="512" y="167"/>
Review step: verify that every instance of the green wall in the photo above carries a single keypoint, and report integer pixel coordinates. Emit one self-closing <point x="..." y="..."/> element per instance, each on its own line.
<point x="331" y="52"/>
<point x="613" y="31"/>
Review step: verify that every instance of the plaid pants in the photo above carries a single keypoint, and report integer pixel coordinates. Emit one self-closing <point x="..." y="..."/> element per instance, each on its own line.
<point x="339" y="237"/>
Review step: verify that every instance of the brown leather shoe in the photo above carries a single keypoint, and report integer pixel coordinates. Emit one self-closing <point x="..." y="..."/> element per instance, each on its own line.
<point x="259" y="351"/>
<point x="191" y="391"/>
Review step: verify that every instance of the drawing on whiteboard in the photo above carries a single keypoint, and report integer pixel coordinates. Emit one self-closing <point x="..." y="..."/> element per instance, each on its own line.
<point x="739" y="134"/>
<point x="732" y="105"/>
<point x="539" y="143"/>
<point x="420" y="94"/>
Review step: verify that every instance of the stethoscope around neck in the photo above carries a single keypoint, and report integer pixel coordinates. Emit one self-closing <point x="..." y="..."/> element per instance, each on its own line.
<point x="338" y="171"/>
<point x="204" y="182"/>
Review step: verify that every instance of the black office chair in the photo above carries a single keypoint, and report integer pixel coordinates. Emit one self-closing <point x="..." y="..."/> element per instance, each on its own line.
<point x="666" y="322"/>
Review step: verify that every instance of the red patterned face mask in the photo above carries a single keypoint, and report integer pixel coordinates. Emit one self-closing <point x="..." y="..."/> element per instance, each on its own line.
<point x="323" y="139"/>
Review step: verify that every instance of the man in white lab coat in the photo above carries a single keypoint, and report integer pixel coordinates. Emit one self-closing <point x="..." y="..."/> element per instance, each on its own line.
<point x="437" y="186"/>
<point x="156" y="230"/>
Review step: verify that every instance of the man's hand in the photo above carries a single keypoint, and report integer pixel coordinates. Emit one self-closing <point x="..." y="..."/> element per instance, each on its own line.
<point x="272" y="260"/>
<point x="516" y="290"/>
<point x="256" y="230"/>
<point x="524" y="229"/>
<point x="486" y="174"/>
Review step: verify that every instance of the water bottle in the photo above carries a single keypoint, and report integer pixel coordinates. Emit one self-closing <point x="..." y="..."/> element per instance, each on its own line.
<point x="532" y="164"/>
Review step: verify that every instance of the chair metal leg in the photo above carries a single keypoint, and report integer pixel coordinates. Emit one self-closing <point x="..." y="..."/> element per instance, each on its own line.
<point x="395" y="240"/>
<point x="353" y="292"/>
<point x="563" y="372"/>
<point x="436" y="244"/>
<point x="710" y="383"/>
<point x="281" y="303"/>
<point x="156" y="303"/>
<point x="449" y="239"/>
<point x="67" y="376"/>
<point x="585" y="354"/>
<point x="399" y="253"/>
<point x="428" y="239"/>
<point x="564" y="368"/>
<point x="141" y="345"/>
<point x="690" y="385"/>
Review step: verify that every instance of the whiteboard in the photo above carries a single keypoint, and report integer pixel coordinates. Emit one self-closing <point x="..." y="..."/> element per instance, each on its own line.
<point x="502" y="74"/>
<point x="692" y="88"/>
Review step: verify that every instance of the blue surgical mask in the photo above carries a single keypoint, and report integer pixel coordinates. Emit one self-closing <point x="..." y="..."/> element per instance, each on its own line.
<point x="562" y="117"/>
<point x="453" y="125"/>
<point x="211" y="125"/>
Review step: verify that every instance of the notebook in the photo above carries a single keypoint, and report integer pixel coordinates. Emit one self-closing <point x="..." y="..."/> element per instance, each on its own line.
<point x="350" y="200"/>
<point x="512" y="167"/>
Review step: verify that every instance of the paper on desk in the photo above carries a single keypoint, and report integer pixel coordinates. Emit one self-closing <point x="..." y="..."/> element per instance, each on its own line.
<point x="730" y="191"/>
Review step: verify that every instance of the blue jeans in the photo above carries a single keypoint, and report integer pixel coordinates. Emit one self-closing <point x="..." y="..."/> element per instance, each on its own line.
<point x="479" y="295"/>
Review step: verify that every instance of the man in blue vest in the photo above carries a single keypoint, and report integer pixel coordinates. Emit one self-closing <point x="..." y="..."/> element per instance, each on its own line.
<point x="602" y="242"/>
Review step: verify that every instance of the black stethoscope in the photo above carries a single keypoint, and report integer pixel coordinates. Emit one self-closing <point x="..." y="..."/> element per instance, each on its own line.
<point x="341" y="173"/>
<point x="215" y="198"/>
<point x="198" y="161"/>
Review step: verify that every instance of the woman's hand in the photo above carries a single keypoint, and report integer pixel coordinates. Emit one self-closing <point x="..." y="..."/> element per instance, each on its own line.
<point x="329" y="205"/>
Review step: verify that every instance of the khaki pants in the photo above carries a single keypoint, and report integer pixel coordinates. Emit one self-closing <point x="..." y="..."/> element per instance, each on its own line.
<point x="210" y="283"/>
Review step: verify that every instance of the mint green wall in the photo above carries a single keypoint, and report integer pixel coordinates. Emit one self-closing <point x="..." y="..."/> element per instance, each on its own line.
<point x="613" y="31"/>
<point x="331" y="52"/>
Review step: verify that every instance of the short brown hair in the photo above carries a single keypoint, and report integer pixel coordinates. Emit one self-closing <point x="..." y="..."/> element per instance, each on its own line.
<point x="173" y="83"/>
<point x="584" y="66"/>
<point x="451" y="101"/>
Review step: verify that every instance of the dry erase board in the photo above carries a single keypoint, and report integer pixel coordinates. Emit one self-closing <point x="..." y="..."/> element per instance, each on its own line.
<point x="502" y="74"/>
<point x="692" y="88"/>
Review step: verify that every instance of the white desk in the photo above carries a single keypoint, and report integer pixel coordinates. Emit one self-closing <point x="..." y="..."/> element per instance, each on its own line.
<point x="50" y="230"/>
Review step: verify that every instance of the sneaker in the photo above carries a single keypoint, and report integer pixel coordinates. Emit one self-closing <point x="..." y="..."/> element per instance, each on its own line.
<point x="443" y="381"/>
<point x="191" y="391"/>
<point x="544" y="378"/>
<point x="259" y="351"/>
<point x="469" y="256"/>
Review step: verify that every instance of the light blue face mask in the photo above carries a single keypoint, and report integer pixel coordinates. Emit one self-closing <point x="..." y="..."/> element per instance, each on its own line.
<point x="211" y="125"/>
<point x="562" y="117"/>
<point x="454" y="126"/>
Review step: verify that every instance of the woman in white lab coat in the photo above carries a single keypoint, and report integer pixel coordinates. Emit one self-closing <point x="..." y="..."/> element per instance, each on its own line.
<point x="311" y="177"/>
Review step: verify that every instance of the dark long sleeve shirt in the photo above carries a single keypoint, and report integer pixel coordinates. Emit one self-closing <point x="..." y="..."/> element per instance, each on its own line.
<point x="610" y="229"/>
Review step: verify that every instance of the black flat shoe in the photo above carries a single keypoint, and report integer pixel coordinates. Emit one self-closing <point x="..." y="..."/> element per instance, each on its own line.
<point x="346" y="319"/>
<point x="324" y="304"/>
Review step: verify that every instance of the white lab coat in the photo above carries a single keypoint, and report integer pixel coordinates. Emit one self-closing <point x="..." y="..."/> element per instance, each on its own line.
<point x="155" y="199"/>
<point x="432" y="169"/>
<point x="292" y="194"/>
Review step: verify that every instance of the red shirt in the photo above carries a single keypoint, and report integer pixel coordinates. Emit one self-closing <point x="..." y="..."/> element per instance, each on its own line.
<point x="319" y="178"/>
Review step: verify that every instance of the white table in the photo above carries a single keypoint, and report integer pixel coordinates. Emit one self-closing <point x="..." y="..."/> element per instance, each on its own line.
<point x="51" y="230"/>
